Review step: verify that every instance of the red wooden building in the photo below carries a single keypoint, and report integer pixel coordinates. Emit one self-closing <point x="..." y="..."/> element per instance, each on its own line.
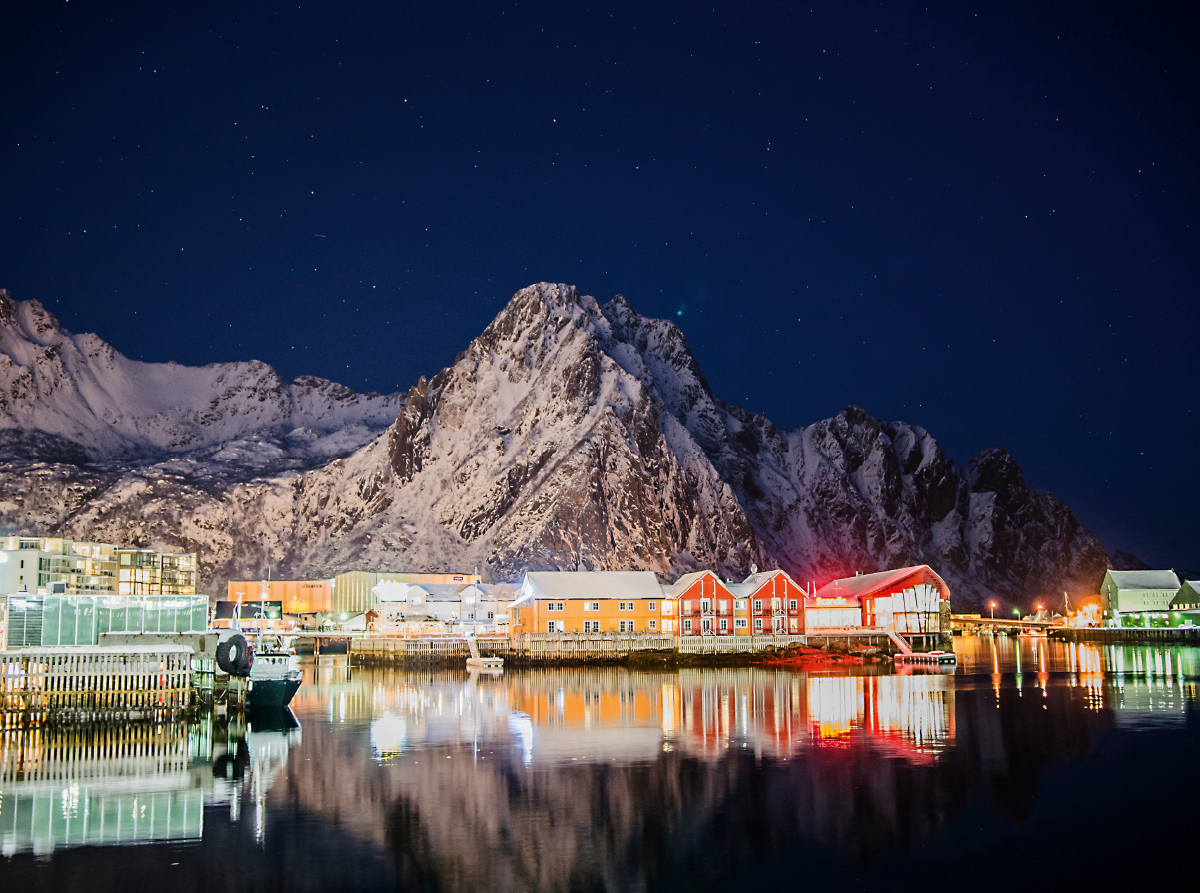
<point x="706" y="606"/>
<point x="908" y="600"/>
<point x="776" y="603"/>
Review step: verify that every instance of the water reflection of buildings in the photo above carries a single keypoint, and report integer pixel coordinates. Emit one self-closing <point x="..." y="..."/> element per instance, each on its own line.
<point x="102" y="785"/>
<point x="1139" y="684"/>
<point x="779" y="714"/>
<point x="557" y="715"/>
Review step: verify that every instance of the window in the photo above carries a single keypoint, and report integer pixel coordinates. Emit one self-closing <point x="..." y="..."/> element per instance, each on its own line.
<point x="550" y="606"/>
<point x="792" y="605"/>
<point x="626" y="626"/>
<point x="652" y="625"/>
<point x="687" y="626"/>
<point x="668" y="626"/>
<point x="651" y="606"/>
<point x="723" y="606"/>
<point x="739" y="604"/>
<point x="740" y="622"/>
<point x="758" y="606"/>
<point x="724" y="623"/>
<point x="706" y="623"/>
<point x="705" y="605"/>
<point x="591" y="606"/>
<point x="587" y="626"/>
<point x="625" y="606"/>
<point x="549" y="626"/>
<point x="666" y="608"/>
<point x="491" y="615"/>
<point x="758" y="624"/>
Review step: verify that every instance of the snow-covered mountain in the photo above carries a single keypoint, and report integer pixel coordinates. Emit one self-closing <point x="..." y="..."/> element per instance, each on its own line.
<point x="79" y="389"/>
<point x="567" y="435"/>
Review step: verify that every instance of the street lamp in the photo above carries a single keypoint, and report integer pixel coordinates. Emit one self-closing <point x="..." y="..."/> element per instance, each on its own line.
<point x="993" y="607"/>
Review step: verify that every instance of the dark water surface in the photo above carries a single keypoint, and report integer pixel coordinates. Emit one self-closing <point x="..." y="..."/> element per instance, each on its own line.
<point x="1033" y="764"/>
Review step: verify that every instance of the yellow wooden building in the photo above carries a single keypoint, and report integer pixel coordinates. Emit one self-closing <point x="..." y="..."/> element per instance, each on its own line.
<point x="591" y="602"/>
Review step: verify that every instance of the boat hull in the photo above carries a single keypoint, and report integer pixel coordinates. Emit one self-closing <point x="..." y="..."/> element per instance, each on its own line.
<point x="271" y="693"/>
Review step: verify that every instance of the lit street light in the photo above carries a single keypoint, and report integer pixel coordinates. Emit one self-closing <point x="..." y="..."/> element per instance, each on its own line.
<point x="993" y="606"/>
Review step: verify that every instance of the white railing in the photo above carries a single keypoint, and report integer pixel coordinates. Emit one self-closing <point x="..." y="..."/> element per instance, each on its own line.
<point x="96" y="679"/>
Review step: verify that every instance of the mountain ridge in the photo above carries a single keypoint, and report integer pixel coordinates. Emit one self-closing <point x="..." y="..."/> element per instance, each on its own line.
<point x="569" y="434"/>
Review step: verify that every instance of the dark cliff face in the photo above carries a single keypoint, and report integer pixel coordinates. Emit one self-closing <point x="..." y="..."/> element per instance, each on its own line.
<point x="574" y="436"/>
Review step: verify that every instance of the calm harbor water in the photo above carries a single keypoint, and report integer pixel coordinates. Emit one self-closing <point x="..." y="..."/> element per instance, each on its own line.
<point x="1033" y="763"/>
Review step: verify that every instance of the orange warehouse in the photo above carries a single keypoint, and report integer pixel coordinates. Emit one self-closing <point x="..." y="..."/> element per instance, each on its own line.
<point x="588" y="602"/>
<point x="296" y="596"/>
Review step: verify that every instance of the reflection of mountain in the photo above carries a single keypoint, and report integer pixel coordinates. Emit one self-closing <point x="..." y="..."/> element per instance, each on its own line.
<point x="618" y="780"/>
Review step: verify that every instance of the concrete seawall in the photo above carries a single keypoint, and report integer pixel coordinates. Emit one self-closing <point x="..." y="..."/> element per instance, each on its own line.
<point x="532" y="649"/>
<point x="1113" y="636"/>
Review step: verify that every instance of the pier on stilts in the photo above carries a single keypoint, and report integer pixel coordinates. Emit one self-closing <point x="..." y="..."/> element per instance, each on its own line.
<point x="81" y="683"/>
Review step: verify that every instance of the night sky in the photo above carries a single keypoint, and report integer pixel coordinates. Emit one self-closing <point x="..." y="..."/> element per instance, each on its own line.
<point x="976" y="217"/>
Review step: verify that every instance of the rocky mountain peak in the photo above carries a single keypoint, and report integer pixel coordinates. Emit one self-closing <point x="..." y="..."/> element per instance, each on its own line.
<point x="994" y="470"/>
<point x="567" y="435"/>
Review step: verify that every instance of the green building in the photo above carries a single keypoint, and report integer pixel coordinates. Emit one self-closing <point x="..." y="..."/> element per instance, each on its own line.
<point x="1141" y="599"/>
<point x="61" y="619"/>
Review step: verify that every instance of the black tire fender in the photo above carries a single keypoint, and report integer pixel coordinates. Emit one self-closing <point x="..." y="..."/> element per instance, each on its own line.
<point x="235" y="656"/>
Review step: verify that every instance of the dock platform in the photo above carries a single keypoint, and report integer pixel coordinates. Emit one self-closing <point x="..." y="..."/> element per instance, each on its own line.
<point x="927" y="657"/>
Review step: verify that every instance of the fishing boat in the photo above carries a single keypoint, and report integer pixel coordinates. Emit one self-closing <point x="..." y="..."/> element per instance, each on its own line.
<point x="274" y="669"/>
<point x="274" y="676"/>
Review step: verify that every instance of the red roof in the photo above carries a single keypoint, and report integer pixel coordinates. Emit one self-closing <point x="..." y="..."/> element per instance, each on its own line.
<point x="883" y="582"/>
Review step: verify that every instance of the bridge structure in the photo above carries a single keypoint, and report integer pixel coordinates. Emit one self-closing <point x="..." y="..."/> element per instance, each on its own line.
<point x="993" y="624"/>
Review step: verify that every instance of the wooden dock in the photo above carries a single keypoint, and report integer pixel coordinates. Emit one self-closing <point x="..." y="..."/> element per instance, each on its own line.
<point x="130" y="682"/>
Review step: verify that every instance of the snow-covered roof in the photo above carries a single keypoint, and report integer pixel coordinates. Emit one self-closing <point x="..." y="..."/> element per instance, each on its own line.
<point x="866" y="584"/>
<point x="754" y="582"/>
<point x="594" y="585"/>
<point x="1144" y="579"/>
<point x="674" y="590"/>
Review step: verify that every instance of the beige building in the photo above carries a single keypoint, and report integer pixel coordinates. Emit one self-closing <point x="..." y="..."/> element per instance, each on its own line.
<point x="150" y="572"/>
<point x="33" y="563"/>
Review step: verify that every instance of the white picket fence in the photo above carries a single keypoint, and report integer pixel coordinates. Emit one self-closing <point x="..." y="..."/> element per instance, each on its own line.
<point x="95" y="681"/>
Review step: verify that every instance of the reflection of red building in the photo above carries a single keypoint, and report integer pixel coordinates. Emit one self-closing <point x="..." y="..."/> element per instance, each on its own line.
<point x="776" y="603"/>
<point x="780" y="713"/>
<point x="706" y="606"/>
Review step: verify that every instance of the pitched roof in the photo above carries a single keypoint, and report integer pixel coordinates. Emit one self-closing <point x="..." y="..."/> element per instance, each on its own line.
<point x="1144" y="579"/>
<point x="754" y="582"/>
<point x="592" y="585"/>
<point x="865" y="584"/>
<point x="674" y="590"/>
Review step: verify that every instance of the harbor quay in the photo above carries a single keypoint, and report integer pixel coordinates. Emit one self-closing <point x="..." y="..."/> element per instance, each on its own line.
<point x="97" y="631"/>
